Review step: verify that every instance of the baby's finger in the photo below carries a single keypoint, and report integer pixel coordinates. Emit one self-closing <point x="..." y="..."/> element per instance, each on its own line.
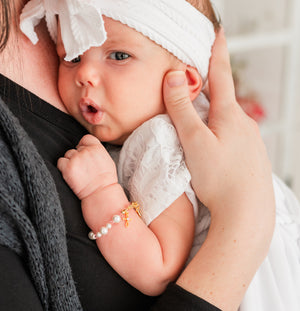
<point x="62" y="164"/>
<point x="88" y="140"/>
<point x="220" y="79"/>
<point x="70" y="153"/>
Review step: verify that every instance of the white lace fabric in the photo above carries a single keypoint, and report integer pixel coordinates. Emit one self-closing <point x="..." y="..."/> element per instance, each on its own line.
<point x="151" y="165"/>
<point x="152" y="168"/>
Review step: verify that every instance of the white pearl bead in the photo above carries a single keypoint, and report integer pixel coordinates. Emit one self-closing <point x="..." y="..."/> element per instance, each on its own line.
<point x="104" y="230"/>
<point x="92" y="236"/>
<point x="108" y="226"/>
<point x="98" y="235"/>
<point x="116" y="219"/>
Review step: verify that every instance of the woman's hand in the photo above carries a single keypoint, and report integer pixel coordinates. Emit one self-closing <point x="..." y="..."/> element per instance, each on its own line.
<point x="231" y="175"/>
<point x="228" y="156"/>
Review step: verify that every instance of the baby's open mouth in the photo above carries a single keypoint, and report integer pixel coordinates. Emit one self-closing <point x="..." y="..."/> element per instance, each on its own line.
<point x="91" y="112"/>
<point x="92" y="109"/>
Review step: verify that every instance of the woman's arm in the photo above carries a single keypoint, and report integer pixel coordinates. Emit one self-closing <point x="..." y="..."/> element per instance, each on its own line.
<point x="230" y="156"/>
<point x="147" y="257"/>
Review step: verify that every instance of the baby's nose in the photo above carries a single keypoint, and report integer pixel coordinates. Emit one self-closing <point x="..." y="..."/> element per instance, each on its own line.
<point x="87" y="75"/>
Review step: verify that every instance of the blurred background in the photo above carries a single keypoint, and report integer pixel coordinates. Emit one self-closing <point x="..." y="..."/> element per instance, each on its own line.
<point x="264" y="43"/>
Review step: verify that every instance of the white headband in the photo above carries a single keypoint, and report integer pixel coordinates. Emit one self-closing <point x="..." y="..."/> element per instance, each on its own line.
<point x="174" y="24"/>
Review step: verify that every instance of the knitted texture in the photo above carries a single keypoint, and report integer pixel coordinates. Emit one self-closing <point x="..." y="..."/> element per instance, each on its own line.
<point x="31" y="218"/>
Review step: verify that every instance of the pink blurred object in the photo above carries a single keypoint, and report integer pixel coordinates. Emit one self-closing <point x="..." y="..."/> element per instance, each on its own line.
<point x="252" y="108"/>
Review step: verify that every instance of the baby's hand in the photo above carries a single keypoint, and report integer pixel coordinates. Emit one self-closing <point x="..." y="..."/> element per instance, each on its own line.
<point x="87" y="168"/>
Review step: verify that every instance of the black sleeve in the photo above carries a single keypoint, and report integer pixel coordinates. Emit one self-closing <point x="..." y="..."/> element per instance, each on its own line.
<point x="177" y="298"/>
<point x="17" y="292"/>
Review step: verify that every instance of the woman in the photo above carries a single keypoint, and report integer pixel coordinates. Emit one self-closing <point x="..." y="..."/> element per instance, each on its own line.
<point x="46" y="260"/>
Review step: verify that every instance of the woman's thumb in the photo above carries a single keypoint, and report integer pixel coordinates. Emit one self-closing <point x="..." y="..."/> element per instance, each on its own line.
<point x="178" y="102"/>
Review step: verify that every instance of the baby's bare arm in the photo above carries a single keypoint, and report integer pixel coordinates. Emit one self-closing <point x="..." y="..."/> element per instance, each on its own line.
<point x="146" y="257"/>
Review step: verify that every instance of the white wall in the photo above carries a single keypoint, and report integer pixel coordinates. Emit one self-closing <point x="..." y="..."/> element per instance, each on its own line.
<point x="264" y="40"/>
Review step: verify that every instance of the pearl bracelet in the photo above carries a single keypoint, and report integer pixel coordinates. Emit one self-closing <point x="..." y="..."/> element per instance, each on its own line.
<point x="124" y="215"/>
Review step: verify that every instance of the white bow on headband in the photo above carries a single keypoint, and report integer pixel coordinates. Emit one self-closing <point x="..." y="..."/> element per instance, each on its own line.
<point x="174" y="24"/>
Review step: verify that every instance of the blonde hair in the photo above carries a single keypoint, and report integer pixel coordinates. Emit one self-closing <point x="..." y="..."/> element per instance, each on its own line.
<point x="206" y="8"/>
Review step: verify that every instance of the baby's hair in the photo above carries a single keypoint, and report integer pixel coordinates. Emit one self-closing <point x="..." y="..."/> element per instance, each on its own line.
<point x="6" y="11"/>
<point x="206" y="8"/>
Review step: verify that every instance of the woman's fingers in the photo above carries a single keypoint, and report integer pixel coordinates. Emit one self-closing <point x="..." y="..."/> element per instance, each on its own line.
<point x="179" y="106"/>
<point x="221" y="86"/>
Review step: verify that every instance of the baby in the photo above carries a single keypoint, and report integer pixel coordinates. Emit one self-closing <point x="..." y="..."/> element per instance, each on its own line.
<point x="112" y="90"/>
<point x="112" y="84"/>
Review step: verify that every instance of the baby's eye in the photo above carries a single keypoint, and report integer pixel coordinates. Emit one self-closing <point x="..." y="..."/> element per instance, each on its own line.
<point x="76" y="60"/>
<point x="119" y="55"/>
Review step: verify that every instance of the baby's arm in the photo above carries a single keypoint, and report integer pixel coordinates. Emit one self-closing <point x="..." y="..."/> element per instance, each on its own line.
<point x="146" y="257"/>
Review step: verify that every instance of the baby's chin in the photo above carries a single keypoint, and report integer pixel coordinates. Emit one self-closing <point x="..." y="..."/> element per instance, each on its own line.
<point x="118" y="141"/>
<point x="106" y="136"/>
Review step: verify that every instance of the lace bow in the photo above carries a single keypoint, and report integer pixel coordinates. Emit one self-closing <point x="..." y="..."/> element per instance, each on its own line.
<point x="75" y="19"/>
<point x="173" y="24"/>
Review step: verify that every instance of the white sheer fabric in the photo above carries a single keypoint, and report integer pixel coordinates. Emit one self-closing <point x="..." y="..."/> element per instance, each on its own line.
<point x="276" y="284"/>
<point x="152" y="168"/>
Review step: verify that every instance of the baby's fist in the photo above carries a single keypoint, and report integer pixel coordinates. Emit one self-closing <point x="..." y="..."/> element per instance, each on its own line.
<point x="87" y="168"/>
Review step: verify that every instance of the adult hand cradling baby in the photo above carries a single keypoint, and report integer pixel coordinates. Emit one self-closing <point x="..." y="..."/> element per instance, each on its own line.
<point x="50" y="261"/>
<point x="225" y="159"/>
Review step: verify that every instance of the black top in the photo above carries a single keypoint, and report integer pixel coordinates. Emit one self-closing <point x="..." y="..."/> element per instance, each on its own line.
<point x="99" y="286"/>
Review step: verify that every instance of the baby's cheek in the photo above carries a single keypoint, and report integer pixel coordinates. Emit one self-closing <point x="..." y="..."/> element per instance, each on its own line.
<point x="60" y="84"/>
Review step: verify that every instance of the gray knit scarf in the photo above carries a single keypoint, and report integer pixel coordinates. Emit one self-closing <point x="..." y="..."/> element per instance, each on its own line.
<point x="31" y="218"/>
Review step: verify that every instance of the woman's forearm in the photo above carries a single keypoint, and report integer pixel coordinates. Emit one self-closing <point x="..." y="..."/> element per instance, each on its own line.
<point x="229" y="258"/>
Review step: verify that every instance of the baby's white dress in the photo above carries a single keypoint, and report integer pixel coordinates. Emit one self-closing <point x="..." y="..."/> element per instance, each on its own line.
<point x="151" y="168"/>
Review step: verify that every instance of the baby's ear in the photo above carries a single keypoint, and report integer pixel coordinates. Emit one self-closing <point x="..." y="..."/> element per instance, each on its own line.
<point x="194" y="81"/>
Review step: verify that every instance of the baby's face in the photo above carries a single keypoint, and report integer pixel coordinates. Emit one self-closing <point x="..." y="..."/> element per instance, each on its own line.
<point x="114" y="88"/>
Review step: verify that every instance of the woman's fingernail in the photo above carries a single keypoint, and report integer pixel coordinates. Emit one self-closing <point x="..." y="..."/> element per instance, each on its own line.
<point x="176" y="78"/>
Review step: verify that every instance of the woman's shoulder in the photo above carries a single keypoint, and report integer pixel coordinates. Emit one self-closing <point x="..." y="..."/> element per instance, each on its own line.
<point x="35" y="112"/>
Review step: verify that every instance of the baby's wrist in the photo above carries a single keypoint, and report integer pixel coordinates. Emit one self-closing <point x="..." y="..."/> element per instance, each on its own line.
<point x="102" y="191"/>
<point x="95" y="186"/>
<point x="102" y="204"/>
